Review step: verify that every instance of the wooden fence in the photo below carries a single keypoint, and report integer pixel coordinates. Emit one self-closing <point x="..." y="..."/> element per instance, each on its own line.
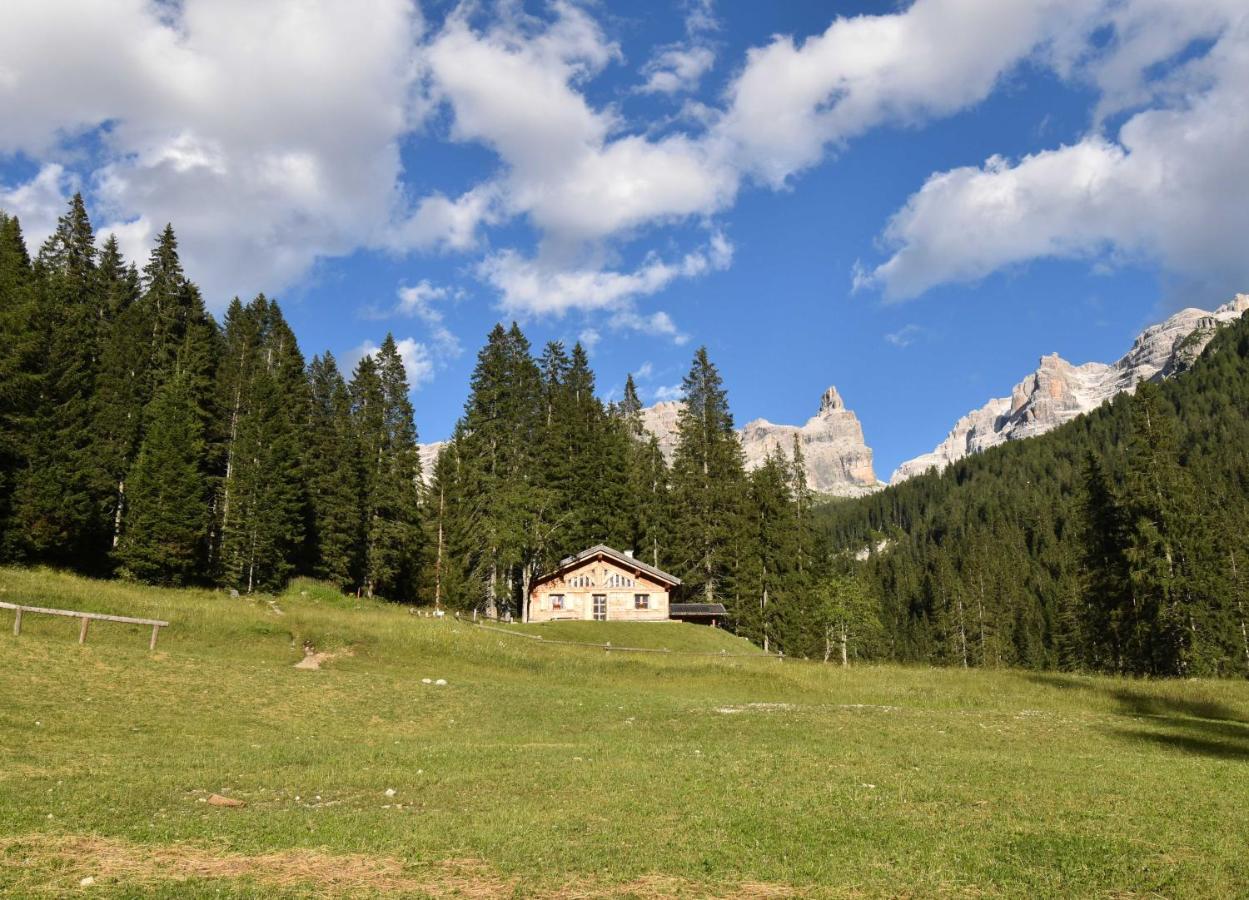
<point x="86" y="617"/>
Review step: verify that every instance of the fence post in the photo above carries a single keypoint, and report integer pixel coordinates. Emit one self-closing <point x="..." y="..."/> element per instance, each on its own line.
<point x="17" y="622"/>
<point x="155" y="631"/>
<point x="82" y="632"/>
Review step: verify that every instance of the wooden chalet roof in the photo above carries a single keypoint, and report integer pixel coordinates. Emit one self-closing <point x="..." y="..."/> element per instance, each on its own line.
<point x="621" y="559"/>
<point x="697" y="609"/>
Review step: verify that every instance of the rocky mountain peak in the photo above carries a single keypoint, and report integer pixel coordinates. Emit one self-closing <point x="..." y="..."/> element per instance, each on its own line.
<point x="1058" y="391"/>
<point x="838" y="460"/>
<point x="831" y="401"/>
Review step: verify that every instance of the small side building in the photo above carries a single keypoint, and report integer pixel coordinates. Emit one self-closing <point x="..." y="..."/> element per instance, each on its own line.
<point x="604" y="585"/>
<point x="713" y="614"/>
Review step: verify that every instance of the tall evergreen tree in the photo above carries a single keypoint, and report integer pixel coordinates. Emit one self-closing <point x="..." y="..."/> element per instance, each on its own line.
<point x="392" y="464"/>
<point x="165" y="531"/>
<point x="335" y="534"/>
<point x="20" y="367"/>
<point x="58" y="512"/>
<point x="707" y="485"/>
<point x="262" y="508"/>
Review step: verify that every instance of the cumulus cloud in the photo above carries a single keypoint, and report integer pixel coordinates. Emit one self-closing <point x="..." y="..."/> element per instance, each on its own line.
<point x="904" y="336"/>
<point x="529" y="286"/>
<point x="418" y="360"/>
<point x="267" y="133"/>
<point x="667" y="392"/>
<point x="38" y="202"/>
<point x="421" y="300"/>
<point x="1158" y="191"/>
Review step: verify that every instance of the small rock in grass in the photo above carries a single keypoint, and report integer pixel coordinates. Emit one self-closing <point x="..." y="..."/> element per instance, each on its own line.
<point x="87" y="882"/>
<point x="427" y="681"/>
<point x="441" y="681"/>
<point x="218" y="800"/>
<point x="390" y="792"/>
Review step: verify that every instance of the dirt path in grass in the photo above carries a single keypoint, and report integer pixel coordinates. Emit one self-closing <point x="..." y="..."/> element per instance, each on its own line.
<point x="53" y="865"/>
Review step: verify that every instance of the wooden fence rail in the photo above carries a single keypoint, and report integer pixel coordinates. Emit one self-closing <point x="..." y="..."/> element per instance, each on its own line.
<point x="86" y="617"/>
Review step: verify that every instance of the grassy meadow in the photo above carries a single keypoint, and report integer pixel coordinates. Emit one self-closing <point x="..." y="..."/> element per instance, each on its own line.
<point x="541" y="769"/>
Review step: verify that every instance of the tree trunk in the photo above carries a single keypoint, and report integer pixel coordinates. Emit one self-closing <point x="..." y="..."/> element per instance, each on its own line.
<point x="117" y="514"/>
<point x="442" y="494"/>
<point x="962" y="631"/>
<point x="845" y="646"/>
<point x="492" y="608"/>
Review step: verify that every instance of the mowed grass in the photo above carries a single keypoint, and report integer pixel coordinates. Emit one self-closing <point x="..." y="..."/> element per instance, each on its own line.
<point x="543" y="769"/>
<point x="675" y="637"/>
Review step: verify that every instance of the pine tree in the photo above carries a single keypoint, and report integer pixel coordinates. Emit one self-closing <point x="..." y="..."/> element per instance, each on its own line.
<point x="335" y="532"/>
<point x="707" y="485"/>
<point x="58" y="510"/>
<point x="771" y="539"/>
<point x="166" y="528"/>
<point x="20" y="369"/>
<point x="262" y="508"/>
<point x="392" y="472"/>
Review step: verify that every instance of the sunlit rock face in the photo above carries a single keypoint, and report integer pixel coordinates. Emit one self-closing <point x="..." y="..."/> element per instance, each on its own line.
<point x="1058" y="391"/>
<point x="838" y="460"/>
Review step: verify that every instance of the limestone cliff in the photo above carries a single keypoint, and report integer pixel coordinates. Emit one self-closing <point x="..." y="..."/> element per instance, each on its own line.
<point x="838" y="461"/>
<point x="1058" y="391"/>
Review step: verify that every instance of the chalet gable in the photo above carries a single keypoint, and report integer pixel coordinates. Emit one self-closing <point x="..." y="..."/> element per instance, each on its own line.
<point x="604" y="567"/>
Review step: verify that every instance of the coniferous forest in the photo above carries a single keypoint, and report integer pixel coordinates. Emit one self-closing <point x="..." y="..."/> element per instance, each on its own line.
<point x="141" y="438"/>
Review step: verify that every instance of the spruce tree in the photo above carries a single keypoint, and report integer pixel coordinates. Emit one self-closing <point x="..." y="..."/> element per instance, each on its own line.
<point x="20" y="369"/>
<point x="58" y="510"/>
<point x="262" y="508"/>
<point x="335" y="535"/>
<point x="390" y="475"/>
<point x="166" y="528"/>
<point x="707" y="485"/>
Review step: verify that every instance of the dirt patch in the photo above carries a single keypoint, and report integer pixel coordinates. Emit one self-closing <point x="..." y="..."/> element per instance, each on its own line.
<point x="71" y="859"/>
<point x="753" y="707"/>
<point x="313" y="659"/>
<point x="134" y="865"/>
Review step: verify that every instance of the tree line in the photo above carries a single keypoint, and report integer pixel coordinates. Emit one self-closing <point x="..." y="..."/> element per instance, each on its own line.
<point x="1115" y="543"/>
<point x="142" y="438"/>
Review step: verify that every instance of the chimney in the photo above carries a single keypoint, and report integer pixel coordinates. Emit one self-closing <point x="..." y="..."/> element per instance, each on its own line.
<point x="629" y="553"/>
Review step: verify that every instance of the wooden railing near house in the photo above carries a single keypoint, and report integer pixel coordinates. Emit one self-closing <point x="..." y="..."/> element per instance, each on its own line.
<point x="86" y="617"/>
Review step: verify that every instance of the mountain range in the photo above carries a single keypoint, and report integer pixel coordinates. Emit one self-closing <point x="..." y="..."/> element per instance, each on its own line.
<point x="839" y="460"/>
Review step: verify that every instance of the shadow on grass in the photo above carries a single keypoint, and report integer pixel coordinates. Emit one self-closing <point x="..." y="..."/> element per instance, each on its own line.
<point x="1194" y="725"/>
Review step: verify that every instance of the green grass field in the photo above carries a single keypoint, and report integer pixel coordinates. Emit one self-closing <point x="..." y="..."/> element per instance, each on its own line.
<point x="543" y="769"/>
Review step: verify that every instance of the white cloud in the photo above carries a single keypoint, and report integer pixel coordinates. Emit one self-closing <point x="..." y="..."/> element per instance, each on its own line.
<point x="589" y="338"/>
<point x="421" y="300"/>
<point x="418" y="361"/>
<point x="904" y="336"/>
<point x="645" y="371"/>
<point x="1159" y="192"/>
<point x="676" y="69"/>
<point x="38" y="203"/>
<point x="529" y="286"/>
<point x="667" y="392"/>
<point x="266" y="132"/>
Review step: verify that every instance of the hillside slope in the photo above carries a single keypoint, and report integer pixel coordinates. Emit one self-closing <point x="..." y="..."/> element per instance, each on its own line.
<point x="544" y="770"/>
<point x="988" y="562"/>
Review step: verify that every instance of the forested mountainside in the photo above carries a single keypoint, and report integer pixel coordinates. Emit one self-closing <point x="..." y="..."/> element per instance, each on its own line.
<point x="1118" y="541"/>
<point x="138" y="437"/>
<point x="141" y="438"/>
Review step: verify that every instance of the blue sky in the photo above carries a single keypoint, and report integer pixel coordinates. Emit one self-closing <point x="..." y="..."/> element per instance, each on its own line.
<point x="911" y="201"/>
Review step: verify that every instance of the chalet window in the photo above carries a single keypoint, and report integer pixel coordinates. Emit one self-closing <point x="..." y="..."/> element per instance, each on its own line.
<point x="641" y="601"/>
<point x="557" y="601"/>
<point x="581" y="581"/>
<point x="616" y="580"/>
